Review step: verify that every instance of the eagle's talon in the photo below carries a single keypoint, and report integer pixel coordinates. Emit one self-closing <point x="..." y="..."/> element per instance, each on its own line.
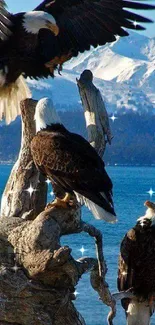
<point x="57" y="203"/>
<point x="48" y="206"/>
<point x="64" y="203"/>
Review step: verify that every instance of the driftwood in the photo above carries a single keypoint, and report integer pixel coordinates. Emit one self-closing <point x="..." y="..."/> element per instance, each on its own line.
<point x="16" y="200"/>
<point x="99" y="133"/>
<point x="45" y="290"/>
<point x="37" y="275"/>
<point x="97" y="121"/>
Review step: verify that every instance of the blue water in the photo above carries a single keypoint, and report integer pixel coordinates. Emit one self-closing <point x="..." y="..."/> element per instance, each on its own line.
<point x="130" y="192"/>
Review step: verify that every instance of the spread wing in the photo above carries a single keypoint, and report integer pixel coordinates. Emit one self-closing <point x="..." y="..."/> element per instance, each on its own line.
<point x="73" y="165"/>
<point x="5" y="22"/>
<point x="83" y="23"/>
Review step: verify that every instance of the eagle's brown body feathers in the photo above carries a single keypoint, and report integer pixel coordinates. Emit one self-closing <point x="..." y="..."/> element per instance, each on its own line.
<point x="70" y="161"/>
<point x="137" y="262"/>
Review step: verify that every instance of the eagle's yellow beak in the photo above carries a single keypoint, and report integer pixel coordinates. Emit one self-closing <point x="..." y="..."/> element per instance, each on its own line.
<point x="53" y="27"/>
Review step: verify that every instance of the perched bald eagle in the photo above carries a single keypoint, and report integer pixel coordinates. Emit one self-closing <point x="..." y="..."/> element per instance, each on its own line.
<point x="35" y="43"/>
<point x="68" y="160"/>
<point x="137" y="268"/>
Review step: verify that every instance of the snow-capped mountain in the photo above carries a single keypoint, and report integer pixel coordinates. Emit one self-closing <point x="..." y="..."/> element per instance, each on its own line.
<point x="124" y="71"/>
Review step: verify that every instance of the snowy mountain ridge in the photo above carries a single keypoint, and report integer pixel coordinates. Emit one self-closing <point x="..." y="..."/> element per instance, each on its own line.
<point x="124" y="72"/>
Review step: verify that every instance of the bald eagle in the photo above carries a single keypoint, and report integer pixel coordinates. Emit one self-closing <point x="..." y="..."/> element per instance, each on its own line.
<point x="68" y="160"/>
<point x="137" y="268"/>
<point x="33" y="44"/>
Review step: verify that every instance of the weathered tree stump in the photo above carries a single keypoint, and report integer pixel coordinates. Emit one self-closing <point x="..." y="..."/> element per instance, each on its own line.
<point x="97" y="120"/>
<point x="37" y="275"/>
<point x="16" y="200"/>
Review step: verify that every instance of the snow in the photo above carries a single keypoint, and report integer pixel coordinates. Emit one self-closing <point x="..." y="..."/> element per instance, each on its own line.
<point x="124" y="72"/>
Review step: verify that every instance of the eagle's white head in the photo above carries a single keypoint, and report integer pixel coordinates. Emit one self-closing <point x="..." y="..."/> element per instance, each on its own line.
<point x="33" y="21"/>
<point x="149" y="215"/>
<point x="45" y="114"/>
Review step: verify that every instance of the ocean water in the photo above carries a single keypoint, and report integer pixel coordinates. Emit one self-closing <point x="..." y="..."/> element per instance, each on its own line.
<point x="130" y="192"/>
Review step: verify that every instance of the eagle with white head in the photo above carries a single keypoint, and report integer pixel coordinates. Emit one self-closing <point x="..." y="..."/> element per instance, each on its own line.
<point x="69" y="161"/>
<point x="33" y="44"/>
<point x="136" y="269"/>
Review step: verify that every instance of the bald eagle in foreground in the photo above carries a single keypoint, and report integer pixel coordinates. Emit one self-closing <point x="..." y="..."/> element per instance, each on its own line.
<point x="72" y="163"/>
<point x="33" y="44"/>
<point x="137" y="268"/>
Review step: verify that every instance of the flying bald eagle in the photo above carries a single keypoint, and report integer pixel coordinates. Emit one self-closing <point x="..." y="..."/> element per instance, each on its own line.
<point x="137" y="268"/>
<point x="35" y="43"/>
<point x="68" y="160"/>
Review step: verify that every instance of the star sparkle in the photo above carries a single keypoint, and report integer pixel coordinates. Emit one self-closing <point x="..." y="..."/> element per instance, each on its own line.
<point x="15" y="268"/>
<point x="30" y="190"/>
<point x="135" y="23"/>
<point x="51" y="193"/>
<point x="113" y="118"/>
<point x="142" y="223"/>
<point x="124" y="273"/>
<point x="150" y="192"/>
<point x="47" y="181"/>
<point x="76" y="293"/>
<point x="82" y="250"/>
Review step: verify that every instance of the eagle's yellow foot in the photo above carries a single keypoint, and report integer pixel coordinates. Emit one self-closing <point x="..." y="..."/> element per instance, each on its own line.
<point x="60" y="203"/>
<point x="69" y="200"/>
<point x="58" y="62"/>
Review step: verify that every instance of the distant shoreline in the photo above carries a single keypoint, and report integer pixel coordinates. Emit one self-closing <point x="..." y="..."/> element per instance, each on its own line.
<point x="8" y="163"/>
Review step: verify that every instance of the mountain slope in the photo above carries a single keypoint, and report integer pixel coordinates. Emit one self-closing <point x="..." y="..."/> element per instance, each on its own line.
<point x="124" y="71"/>
<point x="130" y="59"/>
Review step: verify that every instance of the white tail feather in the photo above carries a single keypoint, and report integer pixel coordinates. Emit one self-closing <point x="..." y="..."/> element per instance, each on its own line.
<point x="10" y="98"/>
<point x="97" y="211"/>
<point x="138" y="313"/>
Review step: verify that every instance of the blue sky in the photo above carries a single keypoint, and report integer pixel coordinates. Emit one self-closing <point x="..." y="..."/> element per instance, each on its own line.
<point x="19" y="5"/>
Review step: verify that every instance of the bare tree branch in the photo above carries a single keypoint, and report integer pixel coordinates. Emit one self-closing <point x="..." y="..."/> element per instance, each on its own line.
<point x="97" y="121"/>
<point x="99" y="134"/>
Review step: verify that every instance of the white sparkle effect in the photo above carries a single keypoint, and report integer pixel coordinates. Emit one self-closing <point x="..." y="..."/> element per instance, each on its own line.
<point x="30" y="190"/>
<point x="82" y="250"/>
<point x="135" y="23"/>
<point x="142" y="223"/>
<point x="51" y="193"/>
<point x="15" y="268"/>
<point x="151" y="192"/>
<point x="47" y="181"/>
<point x="76" y="293"/>
<point x="113" y="118"/>
<point x="124" y="273"/>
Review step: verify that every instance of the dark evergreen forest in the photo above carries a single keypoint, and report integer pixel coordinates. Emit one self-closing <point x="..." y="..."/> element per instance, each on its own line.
<point x="133" y="142"/>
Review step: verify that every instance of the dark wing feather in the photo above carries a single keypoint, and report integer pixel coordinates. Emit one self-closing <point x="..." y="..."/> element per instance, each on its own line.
<point x="125" y="278"/>
<point x="83" y="23"/>
<point x="74" y="164"/>
<point x="125" y="272"/>
<point x="5" y="22"/>
<point x="137" y="262"/>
